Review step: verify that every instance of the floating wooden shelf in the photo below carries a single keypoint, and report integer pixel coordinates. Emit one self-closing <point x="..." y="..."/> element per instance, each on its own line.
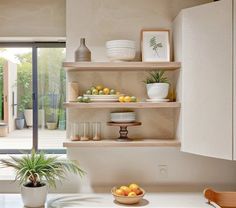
<point x="120" y="66"/>
<point x="133" y="143"/>
<point x="123" y="105"/>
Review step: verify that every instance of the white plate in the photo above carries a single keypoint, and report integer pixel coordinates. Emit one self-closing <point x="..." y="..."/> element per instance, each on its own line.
<point x="104" y="100"/>
<point x="157" y="100"/>
<point x="102" y="96"/>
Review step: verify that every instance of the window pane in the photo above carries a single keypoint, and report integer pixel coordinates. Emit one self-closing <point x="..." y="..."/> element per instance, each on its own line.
<point x="16" y="98"/>
<point x="51" y="95"/>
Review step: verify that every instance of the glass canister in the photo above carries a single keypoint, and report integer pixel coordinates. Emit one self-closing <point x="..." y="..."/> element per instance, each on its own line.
<point x="74" y="132"/>
<point x="96" y="131"/>
<point x="73" y="91"/>
<point x="84" y="129"/>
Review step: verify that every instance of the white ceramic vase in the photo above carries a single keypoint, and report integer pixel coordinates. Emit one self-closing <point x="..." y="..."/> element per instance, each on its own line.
<point x="34" y="196"/>
<point x="157" y="90"/>
<point x="28" y="113"/>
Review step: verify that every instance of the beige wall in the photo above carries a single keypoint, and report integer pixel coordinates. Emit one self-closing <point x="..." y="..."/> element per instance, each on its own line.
<point x="32" y="18"/>
<point x="102" y="20"/>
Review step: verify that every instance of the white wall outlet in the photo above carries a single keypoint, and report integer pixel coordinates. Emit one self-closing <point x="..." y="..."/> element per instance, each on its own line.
<point x="162" y="171"/>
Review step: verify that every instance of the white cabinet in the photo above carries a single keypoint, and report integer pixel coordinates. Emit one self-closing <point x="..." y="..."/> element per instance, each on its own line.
<point x="203" y="38"/>
<point x="234" y="78"/>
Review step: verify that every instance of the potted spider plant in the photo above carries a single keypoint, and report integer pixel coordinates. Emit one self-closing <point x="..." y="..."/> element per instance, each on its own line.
<point x="36" y="172"/>
<point x="157" y="85"/>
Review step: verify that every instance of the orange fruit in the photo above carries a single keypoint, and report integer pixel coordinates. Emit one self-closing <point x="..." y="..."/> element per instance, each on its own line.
<point x="138" y="191"/>
<point x="132" y="194"/>
<point x="133" y="187"/>
<point x="120" y="192"/>
<point x="126" y="190"/>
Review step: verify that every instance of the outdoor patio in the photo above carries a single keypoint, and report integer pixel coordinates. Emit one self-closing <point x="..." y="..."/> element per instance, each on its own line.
<point x="22" y="139"/>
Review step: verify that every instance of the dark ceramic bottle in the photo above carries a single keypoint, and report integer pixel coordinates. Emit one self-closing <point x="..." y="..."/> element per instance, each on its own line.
<point x="82" y="53"/>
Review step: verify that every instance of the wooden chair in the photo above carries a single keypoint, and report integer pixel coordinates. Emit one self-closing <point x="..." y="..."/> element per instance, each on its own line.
<point x="223" y="199"/>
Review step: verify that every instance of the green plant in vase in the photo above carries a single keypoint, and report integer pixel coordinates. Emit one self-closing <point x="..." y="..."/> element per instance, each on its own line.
<point x="36" y="171"/>
<point x="157" y="85"/>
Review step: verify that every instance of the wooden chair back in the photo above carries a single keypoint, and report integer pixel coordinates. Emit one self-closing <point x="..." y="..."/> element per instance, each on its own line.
<point x="223" y="199"/>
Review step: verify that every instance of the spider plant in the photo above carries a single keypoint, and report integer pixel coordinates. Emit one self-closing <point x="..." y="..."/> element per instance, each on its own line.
<point x="156" y="77"/>
<point x="33" y="169"/>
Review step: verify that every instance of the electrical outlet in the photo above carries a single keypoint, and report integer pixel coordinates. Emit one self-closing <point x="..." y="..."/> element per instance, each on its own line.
<point x="162" y="171"/>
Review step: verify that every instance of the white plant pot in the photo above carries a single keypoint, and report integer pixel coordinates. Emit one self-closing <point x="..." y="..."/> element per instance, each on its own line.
<point x="28" y="113"/>
<point x="34" y="196"/>
<point x="157" y="90"/>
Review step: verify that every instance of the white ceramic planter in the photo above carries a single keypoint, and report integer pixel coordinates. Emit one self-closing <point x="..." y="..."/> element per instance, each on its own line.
<point x="34" y="196"/>
<point x="157" y="90"/>
<point x="28" y="113"/>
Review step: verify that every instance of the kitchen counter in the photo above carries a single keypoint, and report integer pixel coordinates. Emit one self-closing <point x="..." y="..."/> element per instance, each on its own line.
<point x="157" y="200"/>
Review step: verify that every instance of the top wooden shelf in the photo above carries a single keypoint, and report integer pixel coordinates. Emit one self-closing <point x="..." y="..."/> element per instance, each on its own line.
<point x="120" y="66"/>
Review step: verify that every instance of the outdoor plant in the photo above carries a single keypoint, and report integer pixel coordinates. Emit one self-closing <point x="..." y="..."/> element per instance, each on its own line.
<point x="34" y="169"/>
<point x="156" y="77"/>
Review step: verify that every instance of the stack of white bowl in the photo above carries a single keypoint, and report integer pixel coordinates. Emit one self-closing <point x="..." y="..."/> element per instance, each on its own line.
<point x="123" y="117"/>
<point x="120" y="50"/>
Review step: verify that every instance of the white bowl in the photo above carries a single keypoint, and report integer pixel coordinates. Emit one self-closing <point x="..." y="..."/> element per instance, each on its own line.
<point x="123" y="117"/>
<point x="120" y="43"/>
<point x="121" y="54"/>
<point x="157" y="90"/>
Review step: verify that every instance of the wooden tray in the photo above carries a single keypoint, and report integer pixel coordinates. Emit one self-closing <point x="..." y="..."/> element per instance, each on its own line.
<point x="223" y="199"/>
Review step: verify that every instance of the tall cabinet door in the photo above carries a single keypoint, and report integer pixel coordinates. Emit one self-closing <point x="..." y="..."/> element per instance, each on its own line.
<point x="207" y="78"/>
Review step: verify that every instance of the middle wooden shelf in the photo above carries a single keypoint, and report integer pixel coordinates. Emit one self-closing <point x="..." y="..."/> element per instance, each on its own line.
<point x="122" y="105"/>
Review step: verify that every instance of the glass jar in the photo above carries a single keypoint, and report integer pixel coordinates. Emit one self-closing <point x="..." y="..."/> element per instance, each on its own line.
<point x="84" y="129"/>
<point x="96" y="131"/>
<point x="74" y="132"/>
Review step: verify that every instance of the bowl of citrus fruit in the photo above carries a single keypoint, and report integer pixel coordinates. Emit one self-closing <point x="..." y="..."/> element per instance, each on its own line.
<point x="131" y="194"/>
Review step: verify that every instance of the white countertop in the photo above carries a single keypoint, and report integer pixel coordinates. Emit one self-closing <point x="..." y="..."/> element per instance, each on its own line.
<point x="157" y="200"/>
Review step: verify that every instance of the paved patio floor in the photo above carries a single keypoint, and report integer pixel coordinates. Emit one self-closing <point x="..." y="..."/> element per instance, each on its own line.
<point x="22" y="139"/>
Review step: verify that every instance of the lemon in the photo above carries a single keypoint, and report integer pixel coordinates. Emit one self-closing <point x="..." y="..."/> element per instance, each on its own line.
<point x="133" y="99"/>
<point x="112" y="92"/>
<point x="88" y="92"/>
<point x="95" y="92"/>
<point x="106" y="91"/>
<point x="99" y="87"/>
<point x="101" y="92"/>
<point x="127" y="99"/>
<point x="92" y="88"/>
<point x="121" y="98"/>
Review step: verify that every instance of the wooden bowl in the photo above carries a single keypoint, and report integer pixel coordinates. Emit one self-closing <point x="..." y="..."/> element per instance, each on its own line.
<point x="223" y="199"/>
<point x="127" y="199"/>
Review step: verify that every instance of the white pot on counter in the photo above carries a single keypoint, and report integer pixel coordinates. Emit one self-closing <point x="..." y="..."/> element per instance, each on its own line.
<point x="157" y="90"/>
<point x="34" y="196"/>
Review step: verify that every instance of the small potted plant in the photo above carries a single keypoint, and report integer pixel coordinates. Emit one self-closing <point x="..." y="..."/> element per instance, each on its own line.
<point x="37" y="171"/>
<point x="157" y="85"/>
<point x="52" y="121"/>
<point x="20" y="121"/>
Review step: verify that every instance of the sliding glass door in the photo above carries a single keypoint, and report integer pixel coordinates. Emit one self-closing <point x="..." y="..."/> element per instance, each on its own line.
<point x="32" y="92"/>
<point x="51" y="95"/>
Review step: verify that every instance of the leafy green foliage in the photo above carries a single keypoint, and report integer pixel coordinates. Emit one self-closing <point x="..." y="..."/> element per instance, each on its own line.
<point x="34" y="168"/>
<point x="154" y="45"/>
<point x="156" y="77"/>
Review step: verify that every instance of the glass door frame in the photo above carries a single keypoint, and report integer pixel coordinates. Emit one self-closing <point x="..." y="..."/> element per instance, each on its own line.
<point x="34" y="46"/>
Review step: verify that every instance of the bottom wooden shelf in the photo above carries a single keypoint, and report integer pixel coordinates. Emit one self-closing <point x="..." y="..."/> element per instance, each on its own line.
<point x="133" y="143"/>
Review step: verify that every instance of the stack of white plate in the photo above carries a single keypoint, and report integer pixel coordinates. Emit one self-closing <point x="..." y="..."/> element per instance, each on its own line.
<point x="123" y="117"/>
<point x="103" y="98"/>
<point x="120" y="50"/>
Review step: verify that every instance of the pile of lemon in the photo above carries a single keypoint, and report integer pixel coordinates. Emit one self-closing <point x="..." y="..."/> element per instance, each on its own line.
<point x="127" y="99"/>
<point x="100" y="90"/>
<point x="131" y="190"/>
